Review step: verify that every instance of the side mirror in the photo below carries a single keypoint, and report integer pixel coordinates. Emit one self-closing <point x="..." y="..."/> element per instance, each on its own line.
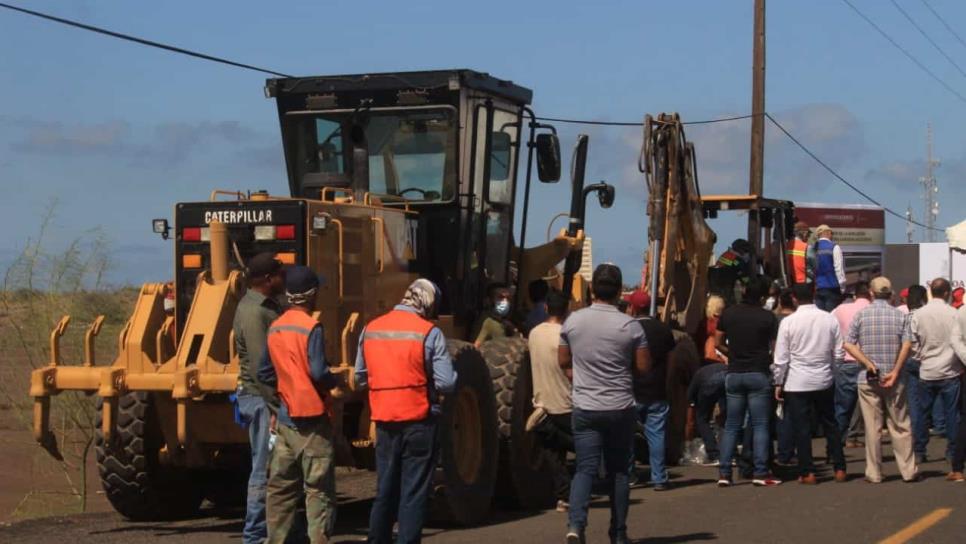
<point x="606" y="194"/>
<point x="548" y="157"/>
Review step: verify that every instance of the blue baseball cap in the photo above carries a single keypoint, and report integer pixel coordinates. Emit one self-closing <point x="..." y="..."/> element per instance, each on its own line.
<point x="302" y="279"/>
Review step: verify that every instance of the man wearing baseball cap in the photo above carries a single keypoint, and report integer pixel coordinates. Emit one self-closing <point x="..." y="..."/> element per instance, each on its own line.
<point x="303" y="457"/>
<point x="829" y="270"/>
<point x="256" y="311"/>
<point x="880" y="340"/>
<point x="650" y="389"/>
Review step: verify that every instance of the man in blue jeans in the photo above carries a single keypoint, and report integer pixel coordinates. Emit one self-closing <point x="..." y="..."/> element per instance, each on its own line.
<point x="939" y="368"/>
<point x="599" y="346"/>
<point x="404" y="362"/>
<point x="745" y="334"/>
<point x="847" y="374"/>
<point x="256" y="311"/>
<point x="650" y="389"/>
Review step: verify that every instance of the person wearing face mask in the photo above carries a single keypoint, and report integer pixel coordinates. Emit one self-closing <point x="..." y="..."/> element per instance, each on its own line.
<point x="496" y="322"/>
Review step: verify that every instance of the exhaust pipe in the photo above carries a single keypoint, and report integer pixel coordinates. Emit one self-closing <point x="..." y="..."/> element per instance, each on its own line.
<point x="219" y="251"/>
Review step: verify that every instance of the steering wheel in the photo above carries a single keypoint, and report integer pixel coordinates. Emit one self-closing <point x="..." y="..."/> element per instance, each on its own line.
<point x="421" y="192"/>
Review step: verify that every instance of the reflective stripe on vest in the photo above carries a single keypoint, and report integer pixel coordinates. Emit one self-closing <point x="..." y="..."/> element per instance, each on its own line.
<point x="825" y="277"/>
<point x="288" y="347"/>
<point x="394" y="348"/>
<point x="795" y="250"/>
<point x="728" y="258"/>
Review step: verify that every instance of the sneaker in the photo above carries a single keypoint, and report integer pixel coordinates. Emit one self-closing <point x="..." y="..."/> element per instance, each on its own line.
<point x="663" y="486"/>
<point x="808" y="479"/>
<point x="841" y="476"/>
<point x="766" y="481"/>
<point x="563" y="506"/>
<point x="711" y="463"/>
<point x="575" y="536"/>
<point x="955" y="477"/>
<point x="725" y="481"/>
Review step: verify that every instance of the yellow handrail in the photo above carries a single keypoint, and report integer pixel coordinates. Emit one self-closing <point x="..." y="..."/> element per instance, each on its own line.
<point x="382" y="242"/>
<point x="338" y="223"/>
<point x="237" y="194"/>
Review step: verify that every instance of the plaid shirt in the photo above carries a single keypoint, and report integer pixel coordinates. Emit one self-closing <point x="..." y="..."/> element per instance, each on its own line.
<point x="880" y="330"/>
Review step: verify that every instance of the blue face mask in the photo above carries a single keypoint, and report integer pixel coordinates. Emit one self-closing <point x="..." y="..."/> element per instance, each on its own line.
<point x="502" y="308"/>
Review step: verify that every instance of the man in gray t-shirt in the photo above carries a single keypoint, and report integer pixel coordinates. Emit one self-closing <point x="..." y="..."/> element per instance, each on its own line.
<point x="602" y="342"/>
<point x="599" y="346"/>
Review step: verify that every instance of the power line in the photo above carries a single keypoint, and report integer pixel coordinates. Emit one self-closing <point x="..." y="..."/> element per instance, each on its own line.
<point x="814" y="157"/>
<point x="837" y="176"/>
<point x="945" y="24"/>
<point x="905" y="52"/>
<point x="638" y="123"/>
<point x="141" y="41"/>
<point x="928" y="38"/>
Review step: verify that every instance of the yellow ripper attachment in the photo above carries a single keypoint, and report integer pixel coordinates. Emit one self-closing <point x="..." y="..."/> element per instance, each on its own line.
<point x="203" y="361"/>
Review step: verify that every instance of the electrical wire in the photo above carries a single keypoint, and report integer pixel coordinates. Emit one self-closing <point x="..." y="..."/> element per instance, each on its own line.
<point x="928" y="38"/>
<point x="945" y="24"/>
<point x="637" y="123"/>
<point x="905" y="52"/>
<point x="837" y="176"/>
<point x="807" y="151"/>
<point x="141" y="41"/>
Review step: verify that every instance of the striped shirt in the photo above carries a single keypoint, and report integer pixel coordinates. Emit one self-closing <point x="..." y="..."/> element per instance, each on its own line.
<point x="879" y="330"/>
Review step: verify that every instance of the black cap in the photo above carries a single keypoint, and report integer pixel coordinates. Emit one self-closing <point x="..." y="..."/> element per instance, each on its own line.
<point x="301" y="279"/>
<point x="263" y="264"/>
<point x="608" y="274"/>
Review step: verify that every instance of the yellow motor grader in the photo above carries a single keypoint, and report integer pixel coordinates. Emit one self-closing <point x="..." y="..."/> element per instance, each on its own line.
<point x="392" y="176"/>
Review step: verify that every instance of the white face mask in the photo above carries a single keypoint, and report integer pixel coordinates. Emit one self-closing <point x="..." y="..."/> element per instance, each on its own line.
<point x="169" y="304"/>
<point x="502" y="308"/>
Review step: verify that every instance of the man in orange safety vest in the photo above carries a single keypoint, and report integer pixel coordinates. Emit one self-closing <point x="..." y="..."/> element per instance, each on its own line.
<point x="404" y="362"/>
<point x="796" y="250"/>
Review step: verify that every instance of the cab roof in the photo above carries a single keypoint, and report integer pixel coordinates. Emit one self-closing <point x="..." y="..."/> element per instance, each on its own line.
<point x="451" y="80"/>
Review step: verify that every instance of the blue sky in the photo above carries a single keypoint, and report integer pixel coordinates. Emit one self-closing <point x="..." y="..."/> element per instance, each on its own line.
<point x="118" y="133"/>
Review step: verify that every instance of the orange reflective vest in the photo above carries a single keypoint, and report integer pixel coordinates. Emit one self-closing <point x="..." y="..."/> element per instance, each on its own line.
<point x="394" y="350"/>
<point x="795" y="250"/>
<point x="728" y="258"/>
<point x="288" y="346"/>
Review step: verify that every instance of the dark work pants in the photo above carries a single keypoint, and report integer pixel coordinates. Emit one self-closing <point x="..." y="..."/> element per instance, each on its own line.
<point x="556" y="434"/>
<point x="405" y="459"/>
<point x="828" y="299"/>
<point x="799" y="406"/>
<point x="703" y="412"/>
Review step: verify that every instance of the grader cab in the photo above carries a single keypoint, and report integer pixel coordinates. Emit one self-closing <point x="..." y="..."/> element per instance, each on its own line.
<point x="391" y="177"/>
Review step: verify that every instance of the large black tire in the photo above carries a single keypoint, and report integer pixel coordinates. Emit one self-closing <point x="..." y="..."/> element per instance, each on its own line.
<point x="136" y="484"/>
<point x="469" y="449"/>
<point x="526" y="468"/>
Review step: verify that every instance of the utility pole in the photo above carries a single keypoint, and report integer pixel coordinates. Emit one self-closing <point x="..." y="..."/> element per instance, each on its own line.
<point x="757" y="170"/>
<point x="930" y="189"/>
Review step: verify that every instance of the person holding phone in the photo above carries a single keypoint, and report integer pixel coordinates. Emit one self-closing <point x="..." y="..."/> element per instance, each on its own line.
<point x="880" y="339"/>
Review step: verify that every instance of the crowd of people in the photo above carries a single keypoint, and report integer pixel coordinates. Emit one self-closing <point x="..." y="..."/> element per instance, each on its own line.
<point x="776" y="365"/>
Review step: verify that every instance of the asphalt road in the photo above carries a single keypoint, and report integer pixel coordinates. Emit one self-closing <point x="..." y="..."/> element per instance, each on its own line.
<point x="693" y="511"/>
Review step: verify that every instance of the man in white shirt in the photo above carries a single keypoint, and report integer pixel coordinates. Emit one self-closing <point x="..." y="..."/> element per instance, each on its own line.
<point x="551" y="392"/>
<point x="939" y="368"/>
<point x="959" y="345"/>
<point x="808" y="347"/>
